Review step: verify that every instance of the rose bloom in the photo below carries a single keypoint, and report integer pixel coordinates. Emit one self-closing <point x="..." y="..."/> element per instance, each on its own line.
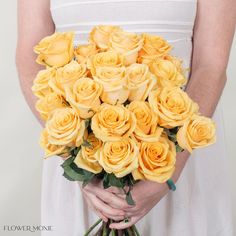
<point x="64" y="127"/>
<point x="172" y="105"/>
<point x="197" y="132"/>
<point x="100" y="35"/>
<point x="50" y="149"/>
<point x="66" y="77"/>
<point x="147" y="128"/>
<point x="127" y="44"/>
<point x="55" y="50"/>
<point x="167" y="73"/>
<point x="113" y="123"/>
<point x="153" y="47"/>
<point x="83" y="52"/>
<point x="114" y="83"/>
<point x="84" y="97"/>
<point x="41" y="87"/>
<point x="86" y="158"/>
<point x="48" y="104"/>
<point x="139" y="81"/>
<point x="118" y="157"/>
<point x="156" y="160"/>
<point x="105" y="59"/>
<point x="176" y="61"/>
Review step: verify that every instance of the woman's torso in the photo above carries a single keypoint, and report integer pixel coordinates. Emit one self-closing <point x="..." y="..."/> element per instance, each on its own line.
<point x="172" y="19"/>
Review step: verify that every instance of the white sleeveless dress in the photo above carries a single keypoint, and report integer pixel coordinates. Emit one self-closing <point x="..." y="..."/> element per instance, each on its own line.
<point x="201" y="204"/>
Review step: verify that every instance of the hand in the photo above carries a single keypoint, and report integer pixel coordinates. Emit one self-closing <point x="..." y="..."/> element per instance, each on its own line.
<point x="147" y="194"/>
<point x="104" y="203"/>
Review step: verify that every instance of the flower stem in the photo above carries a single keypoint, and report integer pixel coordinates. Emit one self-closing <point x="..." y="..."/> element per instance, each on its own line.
<point x="135" y="230"/>
<point x="92" y="227"/>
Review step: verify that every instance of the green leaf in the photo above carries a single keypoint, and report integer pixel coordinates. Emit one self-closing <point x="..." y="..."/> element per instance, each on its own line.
<point x="129" y="199"/>
<point x="178" y="148"/>
<point x="114" y="181"/>
<point x="72" y="175"/>
<point x="68" y="161"/>
<point x="106" y="183"/>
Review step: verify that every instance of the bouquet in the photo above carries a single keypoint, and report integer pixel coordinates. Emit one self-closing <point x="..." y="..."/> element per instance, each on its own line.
<point x="115" y="109"/>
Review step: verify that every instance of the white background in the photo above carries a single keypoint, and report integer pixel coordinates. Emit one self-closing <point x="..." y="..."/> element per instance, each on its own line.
<point x="21" y="157"/>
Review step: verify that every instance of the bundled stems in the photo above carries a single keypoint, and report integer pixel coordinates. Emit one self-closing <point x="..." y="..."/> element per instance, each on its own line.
<point x="104" y="230"/>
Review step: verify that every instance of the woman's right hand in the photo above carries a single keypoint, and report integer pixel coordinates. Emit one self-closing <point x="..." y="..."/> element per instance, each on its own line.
<point x="105" y="203"/>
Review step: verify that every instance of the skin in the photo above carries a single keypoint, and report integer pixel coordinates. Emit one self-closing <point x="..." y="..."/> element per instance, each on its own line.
<point x="213" y="34"/>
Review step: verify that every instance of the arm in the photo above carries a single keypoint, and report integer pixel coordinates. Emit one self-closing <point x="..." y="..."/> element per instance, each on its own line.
<point x="213" y="35"/>
<point x="34" y="23"/>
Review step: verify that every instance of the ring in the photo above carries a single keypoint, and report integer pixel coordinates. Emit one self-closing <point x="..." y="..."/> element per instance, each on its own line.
<point x="126" y="219"/>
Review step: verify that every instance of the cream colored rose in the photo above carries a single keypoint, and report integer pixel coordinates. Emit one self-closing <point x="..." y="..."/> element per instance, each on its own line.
<point x="84" y="97"/>
<point x="147" y="128"/>
<point x="48" y="104"/>
<point x="140" y="81"/>
<point x="64" y="127"/>
<point x="156" y="161"/>
<point x="41" y="87"/>
<point x="114" y="83"/>
<point x="55" y="50"/>
<point x="197" y="132"/>
<point x="153" y="47"/>
<point x="172" y="105"/>
<point x="83" y="52"/>
<point x="113" y="123"/>
<point x="127" y="44"/>
<point x="100" y="35"/>
<point x="50" y="149"/>
<point x="105" y="59"/>
<point x="66" y="77"/>
<point x="86" y="158"/>
<point x="167" y="73"/>
<point x="176" y="61"/>
<point x="119" y="157"/>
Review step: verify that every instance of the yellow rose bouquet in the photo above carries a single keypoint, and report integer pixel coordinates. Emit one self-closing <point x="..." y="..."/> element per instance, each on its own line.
<point x="115" y="109"/>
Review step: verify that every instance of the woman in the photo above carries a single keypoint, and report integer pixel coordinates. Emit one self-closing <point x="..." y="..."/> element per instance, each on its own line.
<point x="201" y="33"/>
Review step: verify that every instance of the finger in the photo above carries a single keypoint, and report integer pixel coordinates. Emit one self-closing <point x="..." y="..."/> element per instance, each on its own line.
<point x="99" y="214"/>
<point x="110" y="198"/>
<point x="115" y="190"/>
<point x="123" y="224"/>
<point x="104" y="208"/>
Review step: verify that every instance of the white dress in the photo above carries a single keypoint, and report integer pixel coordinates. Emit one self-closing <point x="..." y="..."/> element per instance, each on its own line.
<point x="201" y="204"/>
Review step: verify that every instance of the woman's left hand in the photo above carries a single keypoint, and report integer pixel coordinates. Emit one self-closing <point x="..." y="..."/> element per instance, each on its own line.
<point x="146" y="195"/>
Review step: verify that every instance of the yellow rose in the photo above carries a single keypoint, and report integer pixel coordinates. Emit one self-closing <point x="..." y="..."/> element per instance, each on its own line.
<point x="66" y="77"/>
<point x="197" y="132"/>
<point x="147" y="128"/>
<point x="172" y="105"/>
<point x="55" y="50"/>
<point x="86" y="158"/>
<point x="167" y="73"/>
<point x="127" y="44"/>
<point x="113" y="123"/>
<point x="50" y="149"/>
<point x="41" y="87"/>
<point x="106" y="59"/>
<point x="100" y="35"/>
<point x="83" y="52"/>
<point x="156" y="160"/>
<point x="64" y="127"/>
<point x="140" y="81"/>
<point x="114" y="82"/>
<point x="84" y="97"/>
<point x="176" y="61"/>
<point x="48" y="104"/>
<point x="153" y="47"/>
<point x="119" y="157"/>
